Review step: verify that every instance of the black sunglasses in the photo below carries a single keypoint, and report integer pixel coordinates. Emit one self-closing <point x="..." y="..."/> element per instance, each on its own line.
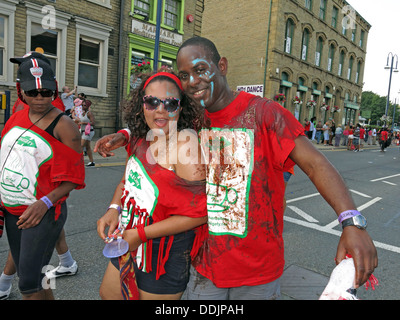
<point x="170" y="104"/>
<point x="45" y="93"/>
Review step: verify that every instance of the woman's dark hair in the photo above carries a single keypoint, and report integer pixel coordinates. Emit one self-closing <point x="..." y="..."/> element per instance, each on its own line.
<point x="191" y="117"/>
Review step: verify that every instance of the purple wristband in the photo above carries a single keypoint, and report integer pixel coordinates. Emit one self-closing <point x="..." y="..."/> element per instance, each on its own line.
<point x="348" y="214"/>
<point x="47" y="201"/>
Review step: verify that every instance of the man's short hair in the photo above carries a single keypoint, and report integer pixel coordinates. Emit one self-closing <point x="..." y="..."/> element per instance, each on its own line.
<point x="207" y="44"/>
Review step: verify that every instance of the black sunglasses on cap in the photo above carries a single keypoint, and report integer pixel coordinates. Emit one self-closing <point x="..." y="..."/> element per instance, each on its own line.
<point x="45" y="93"/>
<point x="170" y="104"/>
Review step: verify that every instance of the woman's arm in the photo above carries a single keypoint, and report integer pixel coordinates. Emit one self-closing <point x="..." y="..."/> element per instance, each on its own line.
<point x="111" y="217"/>
<point x="169" y="226"/>
<point x="68" y="133"/>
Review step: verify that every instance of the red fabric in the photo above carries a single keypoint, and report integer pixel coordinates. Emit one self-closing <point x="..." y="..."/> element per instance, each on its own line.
<point x="64" y="164"/>
<point x="160" y="194"/>
<point x="256" y="256"/>
<point x="384" y="135"/>
<point x="362" y="133"/>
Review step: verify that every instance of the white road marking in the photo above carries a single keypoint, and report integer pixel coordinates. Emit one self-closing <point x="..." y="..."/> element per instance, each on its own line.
<point x="384" y="178"/>
<point x="302" y="214"/>
<point x="338" y="233"/>
<point x="304" y="197"/>
<point x="360" y="194"/>
<point x="391" y="183"/>
<point x="312" y="223"/>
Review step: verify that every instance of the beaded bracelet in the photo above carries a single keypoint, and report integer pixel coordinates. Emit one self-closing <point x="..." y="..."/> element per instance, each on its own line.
<point x="348" y="214"/>
<point x="47" y="202"/>
<point x="142" y="234"/>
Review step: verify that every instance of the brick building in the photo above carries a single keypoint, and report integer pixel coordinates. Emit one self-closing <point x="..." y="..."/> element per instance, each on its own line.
<point x="310" y="49"/>
<point x="93" y="44"/>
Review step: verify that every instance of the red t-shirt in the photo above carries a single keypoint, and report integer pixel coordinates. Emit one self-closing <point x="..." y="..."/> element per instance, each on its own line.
<point x="152" y="194"/>
<point x="245" y="191"/>
<point x="362" y="133"/>
<point x="36" y="164"/>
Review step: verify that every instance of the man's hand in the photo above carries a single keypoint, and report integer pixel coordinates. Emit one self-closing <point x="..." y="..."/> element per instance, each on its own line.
<point x="359" y="245"/>
<point x="109" y="142"/>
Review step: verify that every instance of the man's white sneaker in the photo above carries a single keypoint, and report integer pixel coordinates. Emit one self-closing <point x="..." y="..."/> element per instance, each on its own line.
<point x="62" y="271"/>
<point x="5" y="294"/>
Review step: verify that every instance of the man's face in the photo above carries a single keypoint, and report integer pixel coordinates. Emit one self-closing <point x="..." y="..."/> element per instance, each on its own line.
<point x="200" y="77"/>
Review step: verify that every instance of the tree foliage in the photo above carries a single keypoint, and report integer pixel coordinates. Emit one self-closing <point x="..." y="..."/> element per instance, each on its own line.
<point x="377" y="105"/>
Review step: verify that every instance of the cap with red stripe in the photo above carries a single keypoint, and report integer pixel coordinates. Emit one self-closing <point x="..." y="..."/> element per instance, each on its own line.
<point x="35" y="72"/>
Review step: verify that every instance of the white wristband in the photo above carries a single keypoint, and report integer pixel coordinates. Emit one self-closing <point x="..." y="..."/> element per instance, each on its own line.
<point x="115" y="206"/>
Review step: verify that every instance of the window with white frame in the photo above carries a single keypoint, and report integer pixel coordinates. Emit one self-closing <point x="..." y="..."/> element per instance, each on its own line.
<point x="91" y="68"/>
<point x="104" y="3"/>
<point x="2" y="44"/>
<point x="89" y="63"/>
<point x="49" y="37"/>
<point x="47" y="40"/>
<point x="7" y="19"/>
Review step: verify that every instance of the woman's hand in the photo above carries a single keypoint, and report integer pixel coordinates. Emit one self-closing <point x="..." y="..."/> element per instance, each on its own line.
<point x="32" y="215"/>
<point x="110" y="219"/>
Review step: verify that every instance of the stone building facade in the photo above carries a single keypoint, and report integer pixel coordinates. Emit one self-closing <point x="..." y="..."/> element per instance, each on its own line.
<point x="90" y="44"/>
<point x="311" y="53"/>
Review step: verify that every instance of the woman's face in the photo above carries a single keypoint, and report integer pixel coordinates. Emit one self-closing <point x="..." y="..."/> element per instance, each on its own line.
<point x="38" y="103"/>
<point x="84" y="106"/>
<point x="160" y="118"/>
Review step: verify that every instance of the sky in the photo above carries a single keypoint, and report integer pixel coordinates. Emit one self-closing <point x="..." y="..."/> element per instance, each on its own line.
<point x="383" y="38"/>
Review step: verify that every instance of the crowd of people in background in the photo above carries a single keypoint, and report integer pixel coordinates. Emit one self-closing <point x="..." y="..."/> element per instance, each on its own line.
<point x="354" y="137"/>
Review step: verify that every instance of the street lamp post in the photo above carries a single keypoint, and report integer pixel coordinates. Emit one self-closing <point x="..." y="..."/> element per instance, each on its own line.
<point x="393" y="56"/>
<point x="157" y="40"/>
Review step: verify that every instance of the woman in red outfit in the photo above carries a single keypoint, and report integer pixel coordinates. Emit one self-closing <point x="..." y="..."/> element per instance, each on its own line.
<point x="161" y="198"/>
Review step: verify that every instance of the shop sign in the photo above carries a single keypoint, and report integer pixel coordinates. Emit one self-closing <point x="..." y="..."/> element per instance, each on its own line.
<point x="149" y="31"/>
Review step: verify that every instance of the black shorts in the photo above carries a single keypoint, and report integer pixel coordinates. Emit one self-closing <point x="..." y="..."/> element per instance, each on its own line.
<point x="32" y="248"/>
<point x="176" y="275"/>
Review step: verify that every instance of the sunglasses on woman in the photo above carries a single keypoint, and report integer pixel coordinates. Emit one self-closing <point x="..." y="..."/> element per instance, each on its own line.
<point x="45" y="93"/>
<point x="170" y="104"/>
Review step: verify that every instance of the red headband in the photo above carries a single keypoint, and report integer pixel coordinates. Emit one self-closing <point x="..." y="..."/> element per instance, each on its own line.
<point x="165" y="74"/>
